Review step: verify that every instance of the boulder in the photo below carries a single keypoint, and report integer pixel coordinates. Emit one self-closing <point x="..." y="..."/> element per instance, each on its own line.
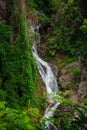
<point x="82" y="90"/>
<point x="84" y="74"/>
<point x="65" y="80"/>
<point x="71" y="67"/>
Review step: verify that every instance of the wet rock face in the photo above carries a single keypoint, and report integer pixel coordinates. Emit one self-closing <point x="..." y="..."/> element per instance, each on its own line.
<point x="2" y="9"/>
<point x="82" y="90"/>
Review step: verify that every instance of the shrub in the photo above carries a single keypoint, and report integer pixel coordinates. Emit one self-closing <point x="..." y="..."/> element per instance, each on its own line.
<point x="77" y="72"/>
<point x="71" y="59"/>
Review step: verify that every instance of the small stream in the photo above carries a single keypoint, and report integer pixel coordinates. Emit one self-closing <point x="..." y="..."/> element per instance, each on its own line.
<point x="50" y="83"/>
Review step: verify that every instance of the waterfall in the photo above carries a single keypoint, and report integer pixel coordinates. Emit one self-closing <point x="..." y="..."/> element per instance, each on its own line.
<point x="50" y="83"/>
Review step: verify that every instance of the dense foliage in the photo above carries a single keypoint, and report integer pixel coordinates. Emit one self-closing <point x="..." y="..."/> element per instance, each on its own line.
<point x="69" y="29"/>
<point x="18" y="68"/>
<point x="15" y="119"/>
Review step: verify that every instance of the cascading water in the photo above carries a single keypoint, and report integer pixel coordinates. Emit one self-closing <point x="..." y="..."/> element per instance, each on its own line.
<point x="51" y="85"/>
